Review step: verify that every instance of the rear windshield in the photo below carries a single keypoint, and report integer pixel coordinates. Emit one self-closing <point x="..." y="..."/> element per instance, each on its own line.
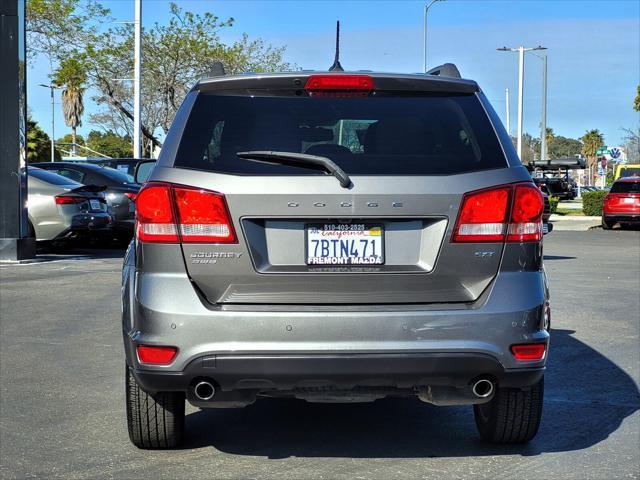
<point x="426" y="135"/>
<point x="120" y="176"/>
<point x="52" y="178"/>
<point x="626" y="187"/>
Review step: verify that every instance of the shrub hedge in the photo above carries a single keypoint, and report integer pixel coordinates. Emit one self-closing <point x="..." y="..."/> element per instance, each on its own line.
<point x="553" y="203"/>
<point x="592" y="202"/>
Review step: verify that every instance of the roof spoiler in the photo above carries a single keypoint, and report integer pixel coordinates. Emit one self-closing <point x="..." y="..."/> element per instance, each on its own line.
<point x="445" y="70"/>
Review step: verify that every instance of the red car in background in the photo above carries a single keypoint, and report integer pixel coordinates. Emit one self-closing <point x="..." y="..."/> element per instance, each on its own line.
<point x="622" y="204"/>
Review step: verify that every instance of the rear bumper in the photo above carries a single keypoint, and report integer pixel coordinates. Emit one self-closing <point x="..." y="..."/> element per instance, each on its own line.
<point x="338" y="371"/>
<point x="90" y="222"/>
<point x="280" y="347"/>
<point x="622" y="217"/>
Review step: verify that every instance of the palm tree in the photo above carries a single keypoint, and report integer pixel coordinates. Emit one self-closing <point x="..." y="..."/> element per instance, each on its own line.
<point x="72" y="76"/>
<point x="591" y="142"/>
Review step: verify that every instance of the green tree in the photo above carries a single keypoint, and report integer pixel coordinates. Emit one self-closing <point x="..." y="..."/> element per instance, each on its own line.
<point x="174" y="56"/>
<point x="592" y="140"/>
<point x="71" y="74"/>
<point x="38" y="144"/>
<point x="636" y="102"/>
<point x="550" y="138"/>
<point x="110" y="143"/>
<point x="564" y="147"/>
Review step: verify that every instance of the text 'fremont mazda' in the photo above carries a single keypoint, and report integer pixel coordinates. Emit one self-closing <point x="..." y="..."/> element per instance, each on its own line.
<point x="336" y="237"/>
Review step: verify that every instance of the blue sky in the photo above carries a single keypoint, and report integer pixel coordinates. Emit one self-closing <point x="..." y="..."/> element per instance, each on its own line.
<point x="594" y="49"/>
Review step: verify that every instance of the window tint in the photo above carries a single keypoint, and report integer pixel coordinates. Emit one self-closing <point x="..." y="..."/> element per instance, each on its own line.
<point x="52" y="178"/>
<point x="74" y="175"/>
<point x="423" y="135"/>
<point x="116" y="175"/>
<point x="626" y="187"/>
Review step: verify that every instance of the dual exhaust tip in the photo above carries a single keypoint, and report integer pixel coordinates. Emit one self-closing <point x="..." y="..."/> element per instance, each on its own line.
<point x="483" y="388"/>
<point x="204" y="390"/>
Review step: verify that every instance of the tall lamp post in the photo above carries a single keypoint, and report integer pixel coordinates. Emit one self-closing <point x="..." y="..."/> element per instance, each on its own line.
<point x="521" y="51"/>
<point x="427" y="6"/>
<point x="52" y="87"/>
<point x="136" y="79"/>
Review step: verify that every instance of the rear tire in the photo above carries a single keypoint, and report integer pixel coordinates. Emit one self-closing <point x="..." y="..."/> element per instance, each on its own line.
<point x="606" y="225"/>
<point x="512" y="416"/>
<point x="154" y="420"/>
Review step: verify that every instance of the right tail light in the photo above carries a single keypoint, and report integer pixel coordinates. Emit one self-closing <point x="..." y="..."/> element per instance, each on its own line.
<point x="167" y="213"/>
<point x="511" y="213"/>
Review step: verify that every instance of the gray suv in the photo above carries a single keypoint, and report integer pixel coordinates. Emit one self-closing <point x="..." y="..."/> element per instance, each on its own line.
<point x="336" y="237"/>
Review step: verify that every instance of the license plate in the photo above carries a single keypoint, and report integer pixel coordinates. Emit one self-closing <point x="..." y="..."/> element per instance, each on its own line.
<point x="95" y="204"/>
<point x="345" y="244"/>
<point x="628" y="200"/>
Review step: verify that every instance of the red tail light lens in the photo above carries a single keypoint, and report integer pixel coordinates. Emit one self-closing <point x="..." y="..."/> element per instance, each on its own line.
<point x="154" y="214"/>
<point x="528" y="352"/>
<point x="484" y="215"/>
<point x="526" y="215"/>
<point x="339" y="85"/>
<point x="203" y="216"/>
<point x="68" y="199"/>
<point x="153" y="355"/>
<point x="169" y="214"/>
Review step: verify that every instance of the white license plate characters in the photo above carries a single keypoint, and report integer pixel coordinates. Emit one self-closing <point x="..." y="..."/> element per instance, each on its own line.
<point x="345" y="244"/>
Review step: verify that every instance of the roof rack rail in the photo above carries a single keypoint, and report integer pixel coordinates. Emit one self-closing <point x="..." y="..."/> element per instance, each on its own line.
<point x="217" y="69"/>
<point x="445" y="70"/>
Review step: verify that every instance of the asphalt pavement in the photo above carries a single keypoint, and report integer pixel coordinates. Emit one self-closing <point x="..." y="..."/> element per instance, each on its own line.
<point x="62" y="390"/>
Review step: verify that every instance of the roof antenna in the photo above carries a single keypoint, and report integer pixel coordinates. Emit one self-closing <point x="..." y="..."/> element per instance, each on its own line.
<point x="336" y="67"/>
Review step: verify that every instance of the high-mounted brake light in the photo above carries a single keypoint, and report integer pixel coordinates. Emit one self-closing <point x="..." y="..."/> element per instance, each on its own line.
<point x="171" y="213"/>
<point x="528" y="352"/>
<point x="339" y="85"/>
<point x="154" y="355"/>
<point x="512" y="212"/>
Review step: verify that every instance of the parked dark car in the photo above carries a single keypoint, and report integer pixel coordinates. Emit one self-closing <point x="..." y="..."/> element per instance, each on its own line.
<point x="120" y="192"/>
<point x="126" y="165"/>
<point x="622" y="203"/>
<point x="558" y="187"/>
<point x="61" y="209"/>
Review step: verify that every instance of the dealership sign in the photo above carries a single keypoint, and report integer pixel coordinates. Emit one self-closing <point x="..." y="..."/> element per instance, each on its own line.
<point x="612" y="154"/>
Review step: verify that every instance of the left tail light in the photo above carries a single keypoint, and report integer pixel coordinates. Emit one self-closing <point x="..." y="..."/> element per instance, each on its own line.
<point x="168" y="213"/>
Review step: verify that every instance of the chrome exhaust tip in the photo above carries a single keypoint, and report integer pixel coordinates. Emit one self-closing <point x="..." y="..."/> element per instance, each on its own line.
<point x="483" y="388"/>
<point x="204" y="390"/>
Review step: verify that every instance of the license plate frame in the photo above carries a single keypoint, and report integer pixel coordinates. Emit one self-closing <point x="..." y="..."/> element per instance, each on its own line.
<point x="356" y="227"/>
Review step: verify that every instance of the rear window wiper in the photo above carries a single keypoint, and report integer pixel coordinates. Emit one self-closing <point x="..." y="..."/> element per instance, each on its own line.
<point x="302" y="160"/>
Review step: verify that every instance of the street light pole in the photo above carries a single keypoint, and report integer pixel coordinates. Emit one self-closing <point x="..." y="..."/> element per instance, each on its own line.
<point x="543" y="123"/>
<point x="427" y="6"/>
<point x="521" y="51"/>
<point x="508" y="109"/>
<point x="136" y="80"/>
<point x="52" y="87"/>
<point x="520" y="97"/>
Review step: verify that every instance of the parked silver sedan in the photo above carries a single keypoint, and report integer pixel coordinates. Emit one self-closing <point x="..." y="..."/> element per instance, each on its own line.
<point x="61" y="209"/>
